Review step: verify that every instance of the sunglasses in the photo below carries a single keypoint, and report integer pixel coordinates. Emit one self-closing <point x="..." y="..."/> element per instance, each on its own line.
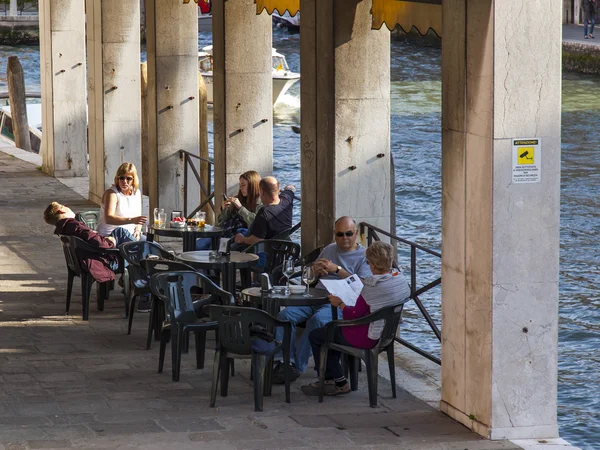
<point x="130" y="179"/>
<point x="345" y="233"/>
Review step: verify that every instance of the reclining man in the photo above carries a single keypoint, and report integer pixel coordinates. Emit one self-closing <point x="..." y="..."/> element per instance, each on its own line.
<point x="100" y="267"/>
<point x="338" y="260"/>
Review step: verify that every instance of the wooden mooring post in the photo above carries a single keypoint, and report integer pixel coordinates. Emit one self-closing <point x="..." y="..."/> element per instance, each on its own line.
<point x="18" y="104"/>
<point x="204" y="167"/>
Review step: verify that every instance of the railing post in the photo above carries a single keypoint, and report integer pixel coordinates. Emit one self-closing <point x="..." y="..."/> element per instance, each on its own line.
<point x="185" y="181"/>
<point x="413" y="269"/>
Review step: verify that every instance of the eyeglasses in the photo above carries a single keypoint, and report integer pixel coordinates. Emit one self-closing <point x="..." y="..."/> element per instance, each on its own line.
<point x="345" y="233"/>
<point x="130" y="179"/>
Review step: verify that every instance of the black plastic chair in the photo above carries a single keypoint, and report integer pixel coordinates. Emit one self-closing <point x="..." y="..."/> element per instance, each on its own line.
<point x="89" y="218"/>
<point x="175" y="289"/>
<point x="135" y="278"/>
<point x="276" y="251"/>
<point x="391" y="316"/>
<point x="157" y="313"/>
<point x="71" y="245"/>
<point x="235" y="341"/>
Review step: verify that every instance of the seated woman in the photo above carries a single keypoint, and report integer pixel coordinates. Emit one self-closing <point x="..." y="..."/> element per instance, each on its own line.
<point x="384" y="288"/>
<point x="238" y="213"/>
<point x="121" y="213"/>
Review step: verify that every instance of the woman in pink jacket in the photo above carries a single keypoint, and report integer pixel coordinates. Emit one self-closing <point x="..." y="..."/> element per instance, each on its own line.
<point x="384" y="288"/>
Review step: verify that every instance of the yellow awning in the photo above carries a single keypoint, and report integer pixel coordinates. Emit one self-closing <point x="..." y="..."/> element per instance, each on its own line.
<point x="291" y="6"/>
<point x="421" y="14"/>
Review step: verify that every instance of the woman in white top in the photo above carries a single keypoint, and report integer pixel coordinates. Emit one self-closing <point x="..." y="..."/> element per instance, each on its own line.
<point x="121" y="212"/>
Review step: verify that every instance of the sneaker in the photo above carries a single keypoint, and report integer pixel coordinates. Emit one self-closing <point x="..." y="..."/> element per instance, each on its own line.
<point x="279" y="374"/>
<point x="144" y="305"/>
<point x="313" y="388"/>
<point x="339" y="389"/>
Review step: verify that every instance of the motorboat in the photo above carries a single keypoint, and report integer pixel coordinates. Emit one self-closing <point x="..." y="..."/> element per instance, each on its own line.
<point x="205" y="23"/>
<point x="34" y="118"/>
<point x="283" y="77"/>
<point x="285" y="20"/>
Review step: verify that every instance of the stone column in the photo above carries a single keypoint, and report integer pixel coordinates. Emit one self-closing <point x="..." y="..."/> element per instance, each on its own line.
<point x="242" y="93"/>
<point x="114" y="107"/>
<point x="63" y="83"/>
<point x="13" y="8"/>
<point x="345" y="97"/>
<point x="172" y="46"/>
<point x="501" y="80"/>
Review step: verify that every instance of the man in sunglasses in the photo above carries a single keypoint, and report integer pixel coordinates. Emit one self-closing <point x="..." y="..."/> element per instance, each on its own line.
<point x="338" y="260"/>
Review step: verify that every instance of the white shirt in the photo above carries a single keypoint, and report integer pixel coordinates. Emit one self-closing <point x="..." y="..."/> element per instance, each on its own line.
<point x="127" y="206"/>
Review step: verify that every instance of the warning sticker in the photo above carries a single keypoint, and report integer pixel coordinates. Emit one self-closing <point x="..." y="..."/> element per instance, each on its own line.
<point x="527" y="160"/>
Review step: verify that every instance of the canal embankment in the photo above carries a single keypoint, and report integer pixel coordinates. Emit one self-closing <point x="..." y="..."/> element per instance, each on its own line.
<point x="580" y="54"/>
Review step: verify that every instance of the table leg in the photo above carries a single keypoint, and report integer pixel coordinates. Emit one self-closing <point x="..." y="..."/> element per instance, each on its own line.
<point x="150" y="237"/>
<point x="334" y="313"/>
<point x="215" y="243"/>
<point x="189" y="242"/>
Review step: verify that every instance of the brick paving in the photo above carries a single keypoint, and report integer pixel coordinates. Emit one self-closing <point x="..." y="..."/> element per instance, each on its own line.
<point x="65" y="383"/>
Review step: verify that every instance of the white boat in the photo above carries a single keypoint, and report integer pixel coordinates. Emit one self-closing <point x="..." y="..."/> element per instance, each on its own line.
<point x="283" y="77"/>
<point x="285" y="20"/>
<point x="34" y="118"/>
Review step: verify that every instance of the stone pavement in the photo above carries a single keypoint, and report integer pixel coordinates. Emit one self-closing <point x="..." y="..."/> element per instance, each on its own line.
<point x="574" y="33"/>
<point x="65" y="383"/>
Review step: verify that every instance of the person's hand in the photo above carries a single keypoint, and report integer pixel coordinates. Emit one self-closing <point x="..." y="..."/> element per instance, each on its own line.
<point x="138" y="220"/>
<point x="137" y="233"/>
<point x="324" y="266"/>
<point x="335" y="301"/>
<point x="111" y="239"/>
<point x="290" y="187"/>
<point x="239" y="238"/>
<point x="225" y="204"/>
<point x="235" y="202"/>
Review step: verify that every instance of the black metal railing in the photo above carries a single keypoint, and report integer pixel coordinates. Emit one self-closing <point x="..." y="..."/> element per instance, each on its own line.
<point x="372" y="234"/>
<point x="209" y="194"/>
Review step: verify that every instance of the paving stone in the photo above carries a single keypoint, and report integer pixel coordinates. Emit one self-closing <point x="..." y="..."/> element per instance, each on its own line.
<point x="67" y="431"/>
<point x="186" y="425"/>
<point x="49" y="444"/>
<point x="37" y="409"/>
<point x="147" y="426"/>
<point x="314" y="421"/>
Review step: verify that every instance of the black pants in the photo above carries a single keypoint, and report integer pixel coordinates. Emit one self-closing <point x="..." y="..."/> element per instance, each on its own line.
<point x="333" y="367"/>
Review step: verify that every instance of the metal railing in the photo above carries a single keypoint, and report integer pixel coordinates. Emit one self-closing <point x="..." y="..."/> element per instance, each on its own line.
<point x="209" y="194"/>
<point x="372" y="234"/>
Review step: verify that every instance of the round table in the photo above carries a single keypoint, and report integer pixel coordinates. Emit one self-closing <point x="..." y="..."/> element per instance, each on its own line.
<point x="271" y="302"/>
<point x="189" y="235"/>
<point x="227" y="264"/>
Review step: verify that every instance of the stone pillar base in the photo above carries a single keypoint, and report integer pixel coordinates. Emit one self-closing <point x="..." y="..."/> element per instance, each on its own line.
<point x="496" y="434"/>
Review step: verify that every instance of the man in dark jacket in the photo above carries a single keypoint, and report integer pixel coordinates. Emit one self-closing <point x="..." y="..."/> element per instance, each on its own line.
<point x="589" y="16"/>
<point x="100" y="267"/>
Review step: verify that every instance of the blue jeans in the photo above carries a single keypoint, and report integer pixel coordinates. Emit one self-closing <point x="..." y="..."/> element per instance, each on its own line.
<point x="206" y="243"/>
<point x="316" y="317"/>
<point x="585" y="24"/>
<point x="122" y="235"/>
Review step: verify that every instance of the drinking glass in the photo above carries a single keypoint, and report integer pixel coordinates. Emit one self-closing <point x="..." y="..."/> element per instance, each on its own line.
<point x="201" y="219"/>
<point x="309" y="277"/>
<point x="162" y="219"/>
<point x="157" y="212"/>
<point x="288" y="271"/>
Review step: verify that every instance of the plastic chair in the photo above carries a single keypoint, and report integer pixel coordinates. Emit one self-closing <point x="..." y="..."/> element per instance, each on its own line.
<point x="391" y="316"/>
<point x="276" y="252"/>
<point x="70" y="245"/>
<point x="157" y="313"/>
<point x="135" y="278"/>
<point x="89" y="218"/>
<point x="235" y="341"/>
<point x="175" y="289"/>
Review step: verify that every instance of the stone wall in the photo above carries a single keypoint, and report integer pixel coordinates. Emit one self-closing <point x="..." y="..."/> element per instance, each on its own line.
<point x="15" y="30"/>
<point x="581" y="58"/>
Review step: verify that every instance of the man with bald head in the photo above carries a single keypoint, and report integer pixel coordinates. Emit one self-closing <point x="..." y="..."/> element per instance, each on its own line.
<point x="338" y="260"/>
<point x="274" y="217"/>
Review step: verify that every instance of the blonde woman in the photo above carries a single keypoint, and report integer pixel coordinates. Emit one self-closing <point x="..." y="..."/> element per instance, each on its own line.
<point x="121" y="212"/>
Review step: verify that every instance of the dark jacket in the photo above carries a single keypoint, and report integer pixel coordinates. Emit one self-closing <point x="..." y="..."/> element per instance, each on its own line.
<point x="98" y="266"/>
<point x="589" y="7"/>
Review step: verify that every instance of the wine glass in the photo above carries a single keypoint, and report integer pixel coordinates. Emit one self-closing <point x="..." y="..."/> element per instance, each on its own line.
<point x="288" y="271"/>
<point x="309" y="277"/>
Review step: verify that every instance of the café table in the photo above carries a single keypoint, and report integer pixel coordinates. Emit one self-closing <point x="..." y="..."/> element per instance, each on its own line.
<point x="272" y="301"/>
<point x="227" y="264"/>
<point x="189" y="234"/>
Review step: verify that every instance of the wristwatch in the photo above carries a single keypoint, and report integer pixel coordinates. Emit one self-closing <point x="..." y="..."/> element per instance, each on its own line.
<point x="338" y="269"/>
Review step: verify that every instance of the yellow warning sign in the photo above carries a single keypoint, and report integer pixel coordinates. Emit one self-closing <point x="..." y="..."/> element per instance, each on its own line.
<point x="526" y="155"/>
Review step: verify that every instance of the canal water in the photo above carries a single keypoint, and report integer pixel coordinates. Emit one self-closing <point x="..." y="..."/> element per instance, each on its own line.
<point x="416" y="148"/>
